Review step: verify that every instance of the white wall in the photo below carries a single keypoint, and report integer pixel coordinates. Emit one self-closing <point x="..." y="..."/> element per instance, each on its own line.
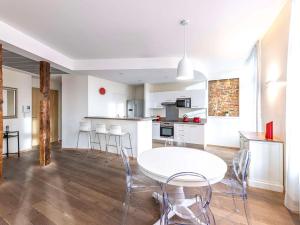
<point x="138" y="92"/>
<point x="81" y="98"/>
<point x="274" y="51"/>
<point x="221" y="130"/>
<point x="74" y="107"/>
<point x="147" y="88"/>
<point x="113" y="103"/>
<point x="21" y="81"/>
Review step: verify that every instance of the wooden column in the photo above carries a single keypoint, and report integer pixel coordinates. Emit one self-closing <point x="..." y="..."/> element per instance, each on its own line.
<point x="1" y="114"/>
<point x="45" y="155"/>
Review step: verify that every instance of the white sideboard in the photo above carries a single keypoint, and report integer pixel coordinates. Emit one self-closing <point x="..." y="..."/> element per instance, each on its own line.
<point x="266" y="165"/>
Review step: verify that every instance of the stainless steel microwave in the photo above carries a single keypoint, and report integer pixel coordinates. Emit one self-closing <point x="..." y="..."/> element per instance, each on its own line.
<point x="184" y="102"/>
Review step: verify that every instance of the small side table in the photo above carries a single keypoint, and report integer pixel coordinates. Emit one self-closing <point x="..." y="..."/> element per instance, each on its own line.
<point x="11" y="134"/>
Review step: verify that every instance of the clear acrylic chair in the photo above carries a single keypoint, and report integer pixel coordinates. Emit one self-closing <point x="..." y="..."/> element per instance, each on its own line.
<point x="135" y="183"/>
<point x="235" y="183"/>
<point x="187" y="205"/>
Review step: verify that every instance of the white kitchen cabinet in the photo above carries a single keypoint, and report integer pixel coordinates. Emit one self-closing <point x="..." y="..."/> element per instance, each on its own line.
<point x="195" y="134"/>
<point x="198" y="98"/>
<point x="189" y="133"/>
<point x="155" y="130"/>
<point x="266" y="161"/>
<point x="156" y="99"/>
<point x="180" y="133"/>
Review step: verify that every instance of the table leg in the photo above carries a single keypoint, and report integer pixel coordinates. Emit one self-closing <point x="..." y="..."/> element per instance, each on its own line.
<point x="18" y="146"/>
<point x="7" y="152"/>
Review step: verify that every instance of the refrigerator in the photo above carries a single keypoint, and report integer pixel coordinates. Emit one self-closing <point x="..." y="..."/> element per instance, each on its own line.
<point x="135" y="108"/>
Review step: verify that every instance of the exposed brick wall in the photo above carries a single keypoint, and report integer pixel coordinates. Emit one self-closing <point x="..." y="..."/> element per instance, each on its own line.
<point x="223" y="96"/>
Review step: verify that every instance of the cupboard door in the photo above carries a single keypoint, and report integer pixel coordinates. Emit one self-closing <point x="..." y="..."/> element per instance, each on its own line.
<point x="180" y="133"/>
<point x="198" y="98"/>
<point x="195" y="134"/>
<point x="156" y="131"/>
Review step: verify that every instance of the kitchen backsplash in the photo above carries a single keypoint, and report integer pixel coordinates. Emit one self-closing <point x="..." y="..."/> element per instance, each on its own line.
<point x="202" y="113"/>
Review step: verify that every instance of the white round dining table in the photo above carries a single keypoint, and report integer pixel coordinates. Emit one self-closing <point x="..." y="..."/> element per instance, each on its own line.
<point x="161" y="163"/>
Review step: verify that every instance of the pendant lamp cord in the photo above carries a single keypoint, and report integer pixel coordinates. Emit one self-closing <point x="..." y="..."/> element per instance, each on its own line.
<point x="184" y="27"/>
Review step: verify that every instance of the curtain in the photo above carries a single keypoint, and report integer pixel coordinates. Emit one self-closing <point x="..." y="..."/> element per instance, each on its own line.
<point x="293" y="112"/>
<point x="250" y="97"/>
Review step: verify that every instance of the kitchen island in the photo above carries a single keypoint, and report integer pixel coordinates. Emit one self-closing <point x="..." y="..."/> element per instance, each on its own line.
<point x="139" y="128"/>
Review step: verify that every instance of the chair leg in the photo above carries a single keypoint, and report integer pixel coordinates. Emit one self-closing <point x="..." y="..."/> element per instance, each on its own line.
<point x="233" y="197"/>
<point x="246" y="210"/>
<point x="116" y="144"/>
<point x="99" y="141"/>
<point x="126" y="207"/>
<point x="78" y="139"/>
<point x="121" y="142"/>
<point x="90" y="141"/>
<point x="106" y="148"/>
<point x="77" y="145"/>
<point x="130" y="144"/>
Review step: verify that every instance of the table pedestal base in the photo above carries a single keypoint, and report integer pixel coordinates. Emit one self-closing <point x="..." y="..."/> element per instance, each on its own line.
<point x="159" y="198"/>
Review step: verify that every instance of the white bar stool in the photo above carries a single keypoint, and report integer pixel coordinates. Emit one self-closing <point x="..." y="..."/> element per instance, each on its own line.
<point x="116" y="132"/>
<point x="100" y="131"/>
<point x="85" y="128"/>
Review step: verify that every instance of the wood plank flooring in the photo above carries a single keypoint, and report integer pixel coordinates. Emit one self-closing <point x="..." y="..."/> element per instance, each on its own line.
<point x="80" y="190"/>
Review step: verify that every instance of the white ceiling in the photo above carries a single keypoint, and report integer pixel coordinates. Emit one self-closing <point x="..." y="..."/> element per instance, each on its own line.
<point x="140" y="76"/>
<point x="220" y="34"/>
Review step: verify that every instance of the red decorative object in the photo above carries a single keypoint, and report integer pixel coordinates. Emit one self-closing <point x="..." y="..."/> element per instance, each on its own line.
<point x="269" y="130"/>
<point x="197" y="120"/>
<point x="185" y="119"/>
<point x="102" y="91"/>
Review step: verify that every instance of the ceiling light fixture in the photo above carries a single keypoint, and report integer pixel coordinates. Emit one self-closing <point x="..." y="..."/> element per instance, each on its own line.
<point x="185" y="69"/>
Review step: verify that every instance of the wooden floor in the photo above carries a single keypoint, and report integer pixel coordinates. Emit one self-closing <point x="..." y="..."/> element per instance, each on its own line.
<point x="77" y="190"/>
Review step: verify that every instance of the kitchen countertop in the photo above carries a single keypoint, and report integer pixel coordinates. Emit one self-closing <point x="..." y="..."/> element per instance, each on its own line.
<point x="203" y="122"/>
<point x="259" y="136"/>
<point x="120" y="118"/>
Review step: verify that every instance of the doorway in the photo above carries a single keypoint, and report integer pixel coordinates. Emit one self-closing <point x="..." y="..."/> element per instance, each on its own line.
<point x="36" y="98"/>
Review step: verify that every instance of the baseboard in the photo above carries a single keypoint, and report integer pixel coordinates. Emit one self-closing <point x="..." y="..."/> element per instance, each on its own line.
<point x="222" y="146"/>
<point x="265" y="185"/>
<point x="189" y="145"/>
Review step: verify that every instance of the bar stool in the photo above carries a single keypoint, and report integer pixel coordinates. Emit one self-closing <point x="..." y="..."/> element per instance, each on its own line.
<point x="116" y="132"/>
<point x="85" y="128"/>
<point x="100" y="131"/>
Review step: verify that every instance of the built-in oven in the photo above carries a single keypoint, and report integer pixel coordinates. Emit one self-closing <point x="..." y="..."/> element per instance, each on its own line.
<point x="183" y="102"/>
<point x="166" y="129"/>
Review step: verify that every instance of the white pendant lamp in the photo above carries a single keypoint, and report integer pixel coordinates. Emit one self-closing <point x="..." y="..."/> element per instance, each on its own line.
<point x="185" y="69"/>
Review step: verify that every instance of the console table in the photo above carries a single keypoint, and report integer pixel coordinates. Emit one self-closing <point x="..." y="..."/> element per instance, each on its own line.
<point x="266" y="165"/>
<point x="11" y="134"/>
